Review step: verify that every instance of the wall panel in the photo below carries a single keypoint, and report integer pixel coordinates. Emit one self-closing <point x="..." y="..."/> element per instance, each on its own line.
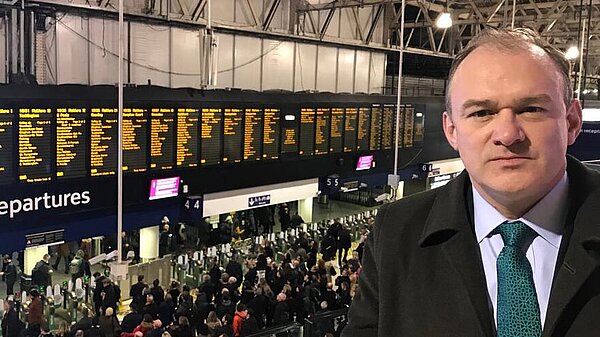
<point x="149" y="56"/>
<point x="362" y="69"/>
<point x="224" y="59"/>
<point x="185" y="58"/>
<point x="326" y="69"/>
<point x="247" y="72"/>
<point x="3" y="60"/>
<point x="104" y="51"/>
<point x="223" y="10"/>
<point x="72" y="50"/>
<point x="278" y="65"/>
<point x="306" y="63"/>
<point x="377" y="73"/>
<point x="345" y="79"/>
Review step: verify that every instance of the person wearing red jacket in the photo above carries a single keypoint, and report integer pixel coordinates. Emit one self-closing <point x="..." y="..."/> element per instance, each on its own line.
<point x="141" y="330"/>
<point x="240" y="315"/>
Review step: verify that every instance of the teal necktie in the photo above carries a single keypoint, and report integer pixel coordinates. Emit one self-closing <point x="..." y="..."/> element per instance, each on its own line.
<point x="518" y="309"/>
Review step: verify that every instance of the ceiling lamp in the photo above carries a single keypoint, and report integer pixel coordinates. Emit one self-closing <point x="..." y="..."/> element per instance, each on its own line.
<point x="444" y="20"/>
<point x="572" y="53"/>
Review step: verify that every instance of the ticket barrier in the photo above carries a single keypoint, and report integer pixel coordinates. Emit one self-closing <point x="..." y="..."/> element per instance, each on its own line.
<point x="161" y="269"/>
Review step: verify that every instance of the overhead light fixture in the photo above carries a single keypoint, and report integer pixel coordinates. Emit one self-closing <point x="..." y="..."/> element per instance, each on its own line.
<point x="572" y="53"/>
<point x="444" y="20"/>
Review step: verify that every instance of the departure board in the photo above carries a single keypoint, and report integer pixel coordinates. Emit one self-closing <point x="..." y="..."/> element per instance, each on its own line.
<point x="212" y="126"/>
<point x="290" y="140"/>
<point x="104" y="133"/>
<point x="187" y="137"/>
<point x="271" y="133"/>
<point x="337" y="130"/>
<point x="6" y="145"/>
<point x="388" y="129"/>
<point x="35" y="144"/>
<point x="71" y="142"/>
<point x="362" y="136"/>
<point x="409" y="123"/>
<point x="307" y="131"/>
<point x="350" y="123"/>
<point x="253" y="127"/>
<point x="135" y="145"/>
<point x="375" y="134"/>
<point x="232" y="135"/>
<point x="419" y="128"/>
<point x="322" y="131"/>
<point x="162" y="134"/>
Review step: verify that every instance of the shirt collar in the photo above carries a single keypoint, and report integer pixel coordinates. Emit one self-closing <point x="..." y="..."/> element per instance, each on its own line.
<point x="547" y="217"/>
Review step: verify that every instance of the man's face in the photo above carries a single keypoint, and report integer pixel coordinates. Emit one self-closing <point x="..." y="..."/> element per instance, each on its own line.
<point x="509" y="123"/>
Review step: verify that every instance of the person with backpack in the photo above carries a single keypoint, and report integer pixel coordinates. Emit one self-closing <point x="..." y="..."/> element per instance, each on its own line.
<point x="79" y="266"/>
<point x="40" y="274"/>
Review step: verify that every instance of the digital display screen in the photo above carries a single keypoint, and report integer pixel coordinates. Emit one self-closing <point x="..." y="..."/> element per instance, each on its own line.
<point x="164" y="188"/>
<point x="162" y="133"/>
<point x="253" y="127"/>
<point x="364" y="162"/>
<point x="364" y="121"/>
<point x="350" y="124"/>
<point x="187" y="137"/>
<point x="6" y="145"/>
<point x="307" y="131"/>
<point x="135" y="146"/>
<point x="290" y="140"/>
<point x="322" y="127"/>
<point x="419" y="135"/>
<point x="337" y="129"/>
<point x="375" y="134"/>
<point x="104" y="132"/>
<point x="232" y="135"/>
<point x="409" y="126"/>
<point x="35" y="144"/>
<point x="212" y="127"/>
<point x="71" y="141"/>
<point x="271" y="133"/>
<point x="388" y="131"/>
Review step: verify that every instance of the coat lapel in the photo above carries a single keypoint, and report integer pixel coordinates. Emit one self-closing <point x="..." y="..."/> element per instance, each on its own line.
<point x="579" y="252"/>
<point x="450" y="227"/>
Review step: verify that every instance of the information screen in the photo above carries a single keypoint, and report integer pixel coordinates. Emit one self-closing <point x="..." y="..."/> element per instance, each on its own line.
<point x="135" y="146"/>
<point x="307" y="131"/>
<point x="6" y="145"/>
<point x="350" y="124"/>
<point x="322" y="131"/>
<point x="71" y="142"/>
<point x="162" y="133"/>
<point x="232" y="135"/>
<point x="212" y="127"/>
<point x="35" y="144"/>
<point x="253" y="127"/>
<point x="389" y="127"/>
<point x="375" y="134"/>
<point x="409" y="124"/>
<point x="419" y="127"/>
<point x="290" y="140"/>
<point x="104" y="130"/>
<point x="337" y="126"/>
<point x="364" y="120"/>
<point x="187" y="137"/>
<point x="271" y="133"/>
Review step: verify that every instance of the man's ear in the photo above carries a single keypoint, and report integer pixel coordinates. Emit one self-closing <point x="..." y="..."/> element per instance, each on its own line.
<point x="449" y="130"/>
<point x="574" y="121"/>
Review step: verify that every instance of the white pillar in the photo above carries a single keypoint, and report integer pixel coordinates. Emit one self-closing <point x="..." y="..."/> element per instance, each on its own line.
<point x="305" y="209"/>
<point x="149" y="242"/>
<point x="32" y="256"/>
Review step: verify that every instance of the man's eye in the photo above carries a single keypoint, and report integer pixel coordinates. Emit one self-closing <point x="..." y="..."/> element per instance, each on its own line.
<point x="533" y="109"/>
<point x="480" y="113"/>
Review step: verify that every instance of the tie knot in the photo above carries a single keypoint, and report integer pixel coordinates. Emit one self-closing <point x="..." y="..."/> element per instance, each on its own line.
<point x="515" y="233"/>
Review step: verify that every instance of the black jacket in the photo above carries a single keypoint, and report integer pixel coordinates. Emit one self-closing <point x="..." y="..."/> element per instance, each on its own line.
<point x="40" y="275"/>
<point x="12" y="326"/>
<point x="423" y="276"/>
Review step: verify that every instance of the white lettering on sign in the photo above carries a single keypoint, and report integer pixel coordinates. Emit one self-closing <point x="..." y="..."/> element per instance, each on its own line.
<point x="47" y="201"/>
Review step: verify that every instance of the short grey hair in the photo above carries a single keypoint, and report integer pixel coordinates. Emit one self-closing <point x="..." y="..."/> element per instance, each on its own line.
<point x="511" y="40"/>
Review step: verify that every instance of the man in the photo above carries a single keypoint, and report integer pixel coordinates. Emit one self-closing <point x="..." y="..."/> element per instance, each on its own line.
<point x="40" y="274"/>
<point x="136" y="293"/>
<point x="10" y="273"/>
<point x="444" y="262"/>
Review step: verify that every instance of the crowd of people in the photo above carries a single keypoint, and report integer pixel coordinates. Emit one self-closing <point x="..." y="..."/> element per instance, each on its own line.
<point x="249" y="294"/>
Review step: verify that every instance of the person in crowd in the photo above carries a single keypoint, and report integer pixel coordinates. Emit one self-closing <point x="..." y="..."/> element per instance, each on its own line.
<point x="130" y="321"/>
<point x="282" y="312"/>
<point x="296" y="220"/>
<point x="157" y="291"/>
<point x="35" y="314"/>
<point x="238" y="319"/>
<point x="63" y="252"/>
<point x="166" y="310"/>
<point x="40" y="274"/>
<point x="85" y="322"/>
<point x="207" y="287"/>
<point x="328" y="245"/>
<point x="213" y="323"/>
<point x="225" y="305"/>
<point x="109" y="324"/>
<point x="12" y="326"/>
<point x="312" y="254"/>
<point x="203" y="308"/>
<point x="97" y="293"/>
<point x="166" y="239"/>
<point x="186" y="305"/>
<point x="250" y="325"/>
<point x="259" y="305"/>
<point x="494" y="250"/>
<point x="109" y="295"/>
<point x="234" y="268"/>
<point x="10" y="273"/>
<point x="183" y="328"/>
<point x="136" y="293"/>
<point x="62" y="330"/>
<point x="174" y="291"/>
<point x="226" y="326"/>
<point x="143" y="329"/>
<point x="80" y="267"/>
<point x="343" y="244"/>
<point x="284" y="217"/>
<point x="354" y="262"/>
<point x="157" y="329"/>
<point x="150" y="308"/>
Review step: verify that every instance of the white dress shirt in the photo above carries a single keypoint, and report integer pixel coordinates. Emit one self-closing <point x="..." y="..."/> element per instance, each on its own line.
<point x="546" y="218"/>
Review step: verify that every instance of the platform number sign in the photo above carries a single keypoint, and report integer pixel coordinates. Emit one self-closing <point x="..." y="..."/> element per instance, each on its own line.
<point x="192" y="209"/>
<point x="192" y="204"/>
<point x="332" y="182"/>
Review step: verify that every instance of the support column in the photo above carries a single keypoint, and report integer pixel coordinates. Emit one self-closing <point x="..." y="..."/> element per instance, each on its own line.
<point x="32" y="256"/>
<point x="305" y="209"/>
<point x="149" y="242"/>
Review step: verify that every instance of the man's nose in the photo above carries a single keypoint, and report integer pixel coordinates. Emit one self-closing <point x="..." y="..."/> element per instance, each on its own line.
<point x="507" y="128"/>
